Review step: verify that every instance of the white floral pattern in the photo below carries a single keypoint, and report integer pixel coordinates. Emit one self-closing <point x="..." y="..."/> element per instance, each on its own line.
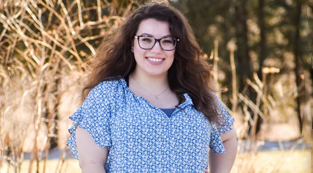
<point x="141" y="137"/>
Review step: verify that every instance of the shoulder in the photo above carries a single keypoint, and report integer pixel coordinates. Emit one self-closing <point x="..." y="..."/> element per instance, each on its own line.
<point x="106" y="89"/>
<point x="107" y="86"/>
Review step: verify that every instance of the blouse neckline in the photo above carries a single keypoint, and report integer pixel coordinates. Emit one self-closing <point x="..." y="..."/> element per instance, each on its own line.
<point x="187" y="101"/>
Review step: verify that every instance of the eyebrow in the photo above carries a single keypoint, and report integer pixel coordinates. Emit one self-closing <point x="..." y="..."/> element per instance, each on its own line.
<point x="146" y="34"/>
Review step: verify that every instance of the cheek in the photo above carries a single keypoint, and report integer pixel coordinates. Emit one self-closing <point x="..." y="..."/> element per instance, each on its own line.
<point x="136" y="46"/>
<point x="171" y="55"/>
<point x="171" y="59"/>
<point x="139" y="53"/>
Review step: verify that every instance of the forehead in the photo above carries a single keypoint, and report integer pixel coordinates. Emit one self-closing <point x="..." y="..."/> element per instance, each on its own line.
<point x="154" y="27"/>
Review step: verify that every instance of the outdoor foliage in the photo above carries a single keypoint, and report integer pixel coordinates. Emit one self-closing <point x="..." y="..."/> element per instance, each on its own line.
<point x="45" y="47"/>
<point x="261" y="53"/>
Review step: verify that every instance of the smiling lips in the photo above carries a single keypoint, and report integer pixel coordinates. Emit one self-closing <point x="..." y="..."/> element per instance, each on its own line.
<point x="155" y="61"/>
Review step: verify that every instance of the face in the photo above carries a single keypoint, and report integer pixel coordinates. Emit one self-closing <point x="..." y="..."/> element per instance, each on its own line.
<point x="155" y="61"/>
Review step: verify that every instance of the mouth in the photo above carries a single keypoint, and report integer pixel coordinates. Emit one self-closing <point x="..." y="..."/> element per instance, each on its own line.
<point x="155" y="61"/>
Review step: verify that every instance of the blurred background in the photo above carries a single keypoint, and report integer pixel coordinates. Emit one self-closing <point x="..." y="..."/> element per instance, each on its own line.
<point x="261" y="56"/>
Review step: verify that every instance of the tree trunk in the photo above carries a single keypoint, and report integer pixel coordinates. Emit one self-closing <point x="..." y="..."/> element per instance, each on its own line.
<point x="244" y="65"/>
<point x="298" y="59"/>
<point x="262" y="43"/>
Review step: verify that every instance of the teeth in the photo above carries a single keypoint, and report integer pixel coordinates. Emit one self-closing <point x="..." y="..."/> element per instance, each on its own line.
<point x="155" y="59"/>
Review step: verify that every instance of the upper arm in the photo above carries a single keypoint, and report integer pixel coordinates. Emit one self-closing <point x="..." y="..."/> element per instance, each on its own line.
<point x="223" y="131"/>
<point x="90" y="131"/>
<point x="230" y="135"/>
<point x="90" y="154"/>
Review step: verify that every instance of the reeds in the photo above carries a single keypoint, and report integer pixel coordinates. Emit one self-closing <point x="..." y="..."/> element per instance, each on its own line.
<point x="44" y="52"/>
<point x="274" y="104"/>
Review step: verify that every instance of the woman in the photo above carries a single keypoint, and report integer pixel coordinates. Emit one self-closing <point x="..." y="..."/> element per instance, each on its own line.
<point x="150" y="104"/>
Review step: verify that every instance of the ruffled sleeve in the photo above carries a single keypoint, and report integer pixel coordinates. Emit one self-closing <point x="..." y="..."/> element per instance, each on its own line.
<point x="93" y="116"/>
<point x="226" y="121"/>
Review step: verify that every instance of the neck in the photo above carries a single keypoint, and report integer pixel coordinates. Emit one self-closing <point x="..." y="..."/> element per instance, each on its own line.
<point x="155" y="83"/>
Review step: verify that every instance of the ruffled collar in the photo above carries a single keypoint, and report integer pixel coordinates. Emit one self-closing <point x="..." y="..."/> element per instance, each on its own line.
<point x="187" y="102"/>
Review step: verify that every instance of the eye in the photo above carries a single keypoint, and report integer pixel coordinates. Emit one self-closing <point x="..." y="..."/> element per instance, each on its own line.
<point x="146" y="39"/>
<point x="167" y="41"/>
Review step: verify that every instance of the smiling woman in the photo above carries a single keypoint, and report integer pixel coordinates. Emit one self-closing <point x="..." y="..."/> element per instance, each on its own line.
<point x="152" y="59"/>
<point x="151" y="105"/>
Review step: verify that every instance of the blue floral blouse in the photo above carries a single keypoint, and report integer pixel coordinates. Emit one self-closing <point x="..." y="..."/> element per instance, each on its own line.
<point x="141" y="137"/>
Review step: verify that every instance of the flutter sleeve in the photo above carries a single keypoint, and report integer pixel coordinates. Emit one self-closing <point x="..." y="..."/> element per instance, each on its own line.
<point x="226" y="121"/>
<point x="93" y="116"/>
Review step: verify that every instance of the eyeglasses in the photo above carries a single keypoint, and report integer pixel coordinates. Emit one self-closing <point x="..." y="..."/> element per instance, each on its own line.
<point x="167" y="43"/>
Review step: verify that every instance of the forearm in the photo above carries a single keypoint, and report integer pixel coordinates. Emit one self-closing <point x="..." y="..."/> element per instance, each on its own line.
<point x="93" y="168"/>
<point x="223" y="162"/>
<point x="92" y="158"/>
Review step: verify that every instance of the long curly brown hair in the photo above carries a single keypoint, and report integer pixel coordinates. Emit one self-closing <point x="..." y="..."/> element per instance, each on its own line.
<point x="189" y="73"/>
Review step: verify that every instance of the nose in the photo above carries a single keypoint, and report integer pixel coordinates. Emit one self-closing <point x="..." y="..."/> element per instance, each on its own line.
<point x="156" y="47"/>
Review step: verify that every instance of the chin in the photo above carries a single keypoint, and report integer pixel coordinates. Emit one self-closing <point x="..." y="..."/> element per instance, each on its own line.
<point x="156" y="73"/>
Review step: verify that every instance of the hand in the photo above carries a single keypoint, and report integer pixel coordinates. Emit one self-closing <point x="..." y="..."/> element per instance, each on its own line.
<point x="206" y="171"/>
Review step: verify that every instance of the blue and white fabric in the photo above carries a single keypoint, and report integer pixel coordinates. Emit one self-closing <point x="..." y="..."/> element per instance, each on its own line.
<point x="141" y="137"/>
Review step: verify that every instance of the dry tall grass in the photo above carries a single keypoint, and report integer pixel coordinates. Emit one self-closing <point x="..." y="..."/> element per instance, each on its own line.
<point x="44" y="48"/>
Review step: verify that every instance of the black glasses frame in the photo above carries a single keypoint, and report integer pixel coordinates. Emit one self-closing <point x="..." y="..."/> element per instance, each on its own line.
<point x="157" y="40"/>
